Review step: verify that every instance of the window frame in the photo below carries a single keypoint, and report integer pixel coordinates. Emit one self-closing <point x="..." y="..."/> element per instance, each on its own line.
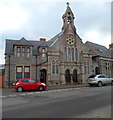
<point x="19" y="72"/>
<point x="28" y="51"/>
<point x="18" y="51"/>
<point x="28" y="73"/>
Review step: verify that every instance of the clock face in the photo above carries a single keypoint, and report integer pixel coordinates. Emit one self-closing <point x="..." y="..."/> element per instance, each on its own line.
<point x="70" y="39"/>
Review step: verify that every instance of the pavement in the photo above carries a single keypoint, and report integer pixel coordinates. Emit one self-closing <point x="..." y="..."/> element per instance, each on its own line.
<point x="52" y="87"/>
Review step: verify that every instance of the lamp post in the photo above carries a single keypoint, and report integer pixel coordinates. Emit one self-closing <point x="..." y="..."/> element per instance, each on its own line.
<point x="9" y="73"/>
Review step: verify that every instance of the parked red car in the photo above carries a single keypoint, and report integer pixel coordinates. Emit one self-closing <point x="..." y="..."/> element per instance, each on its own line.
<point x="29" y="84"/>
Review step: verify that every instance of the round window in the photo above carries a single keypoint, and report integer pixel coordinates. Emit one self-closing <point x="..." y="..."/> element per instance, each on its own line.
<point x="70" y="39"/>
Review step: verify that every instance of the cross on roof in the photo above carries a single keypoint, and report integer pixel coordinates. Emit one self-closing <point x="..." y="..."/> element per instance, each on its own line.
<point x="67" y="3"/>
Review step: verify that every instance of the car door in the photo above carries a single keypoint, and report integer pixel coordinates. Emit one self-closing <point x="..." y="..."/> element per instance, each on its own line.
<point x="25" y="84"/>
<point x="102" y="79"/>
<point x="32" y="84"/>
<point x="108" y="80"/>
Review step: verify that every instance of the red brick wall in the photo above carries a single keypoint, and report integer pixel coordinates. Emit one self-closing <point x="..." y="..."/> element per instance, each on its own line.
<point x="1" y="81"/>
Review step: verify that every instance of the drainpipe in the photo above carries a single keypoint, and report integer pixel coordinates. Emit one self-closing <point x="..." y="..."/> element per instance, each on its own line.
<point x="36" y="67"/>
<point x="9" y="73"/>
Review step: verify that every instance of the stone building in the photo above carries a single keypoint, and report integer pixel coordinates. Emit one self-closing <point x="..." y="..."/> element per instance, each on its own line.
<point x="64" y="59"/>
<point x="101" y="59"/>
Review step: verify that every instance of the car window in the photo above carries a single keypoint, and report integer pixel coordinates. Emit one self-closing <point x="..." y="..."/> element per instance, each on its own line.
<point x="31" y="81"/>
<point x="24" y="80"/>
<point x="107" y="76"/>
<point x="101" y="76"/>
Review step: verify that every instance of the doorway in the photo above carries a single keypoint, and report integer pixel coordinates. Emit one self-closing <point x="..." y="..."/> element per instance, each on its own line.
<point x="68" y="76"/>
<point x="43" y="75"/>
<point x="75" y="78"/>
<point x="97" y="71"/>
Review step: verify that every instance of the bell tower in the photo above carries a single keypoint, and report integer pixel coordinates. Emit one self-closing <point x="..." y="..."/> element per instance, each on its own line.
<point x="68" y="18"/>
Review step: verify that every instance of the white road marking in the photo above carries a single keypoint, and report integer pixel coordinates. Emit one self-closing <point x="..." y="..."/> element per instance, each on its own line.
<point x="29" y="93"/>
<point x="12" y="95"/>
<point x="32" y="93"/>
<point x="22" y="94"/>
<point x="3" y="96"/>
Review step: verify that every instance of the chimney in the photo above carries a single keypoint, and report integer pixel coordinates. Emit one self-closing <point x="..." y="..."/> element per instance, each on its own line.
<point x="42" y="39"/>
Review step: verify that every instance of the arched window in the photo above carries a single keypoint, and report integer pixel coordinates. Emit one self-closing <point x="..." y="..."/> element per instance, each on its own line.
<point x="43" y="52"/>
<point x="76" y="54"/>
<point x="69" y="54"/>
<point x="88" y="67"/>
<point x="85" y="67"/>
<point x="57" y="67"/>
<point x="53" y="67"/>
<point x="65" y="53"/>
<point x="73" y="54"/>
<point x="69" y="19"/>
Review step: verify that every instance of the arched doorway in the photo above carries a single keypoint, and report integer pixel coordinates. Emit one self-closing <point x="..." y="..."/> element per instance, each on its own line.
<point x="67" y="76"/>
<point x="75" y="78"/>
<point x="43" y="75"/>
<point x="97" y="71"/>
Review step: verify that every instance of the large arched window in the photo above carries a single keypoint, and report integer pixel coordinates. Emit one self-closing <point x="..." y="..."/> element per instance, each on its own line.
<point x="73" y="54"/>
<point x="69" y="54"/>
<point x="53" y="67"/>
<point x="65" y="53"/>
<point x="85" y="67"/>
<point x="57" y="64"/>
<point x="76" y="54"/>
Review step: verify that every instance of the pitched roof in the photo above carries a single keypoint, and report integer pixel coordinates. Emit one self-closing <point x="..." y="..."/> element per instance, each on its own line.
<point x="98" y="50"/>
<point x="23" y="42"/>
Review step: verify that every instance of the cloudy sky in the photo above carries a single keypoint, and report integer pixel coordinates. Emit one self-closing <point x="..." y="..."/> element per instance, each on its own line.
<point x="33" y="19"/>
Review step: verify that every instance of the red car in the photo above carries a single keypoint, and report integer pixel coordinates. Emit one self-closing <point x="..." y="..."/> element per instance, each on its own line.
<point x="29" y="84"/>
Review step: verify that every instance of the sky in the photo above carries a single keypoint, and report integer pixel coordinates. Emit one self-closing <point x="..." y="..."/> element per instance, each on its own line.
<point x="34" y="19"/>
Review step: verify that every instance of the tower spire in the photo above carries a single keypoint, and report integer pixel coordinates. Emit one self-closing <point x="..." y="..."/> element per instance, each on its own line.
<point x="68" y="17"/>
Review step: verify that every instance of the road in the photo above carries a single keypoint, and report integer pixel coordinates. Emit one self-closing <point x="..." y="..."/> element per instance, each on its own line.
<point x="83" y="102"/>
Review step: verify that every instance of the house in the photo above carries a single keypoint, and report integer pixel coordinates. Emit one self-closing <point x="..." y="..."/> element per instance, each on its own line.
<point x="101" y="59"/>
<point x="64" y="59"/>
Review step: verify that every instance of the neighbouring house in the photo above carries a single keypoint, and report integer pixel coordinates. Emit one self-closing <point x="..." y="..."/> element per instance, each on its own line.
<point x="64" y="59"/>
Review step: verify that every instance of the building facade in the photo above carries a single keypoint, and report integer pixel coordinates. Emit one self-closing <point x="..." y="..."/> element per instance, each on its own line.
<point x="64" y="59"/>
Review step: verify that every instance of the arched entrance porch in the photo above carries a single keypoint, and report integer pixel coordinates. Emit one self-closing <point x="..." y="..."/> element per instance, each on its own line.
<point x="68" y="76"/>
<point x="75" y="77"/>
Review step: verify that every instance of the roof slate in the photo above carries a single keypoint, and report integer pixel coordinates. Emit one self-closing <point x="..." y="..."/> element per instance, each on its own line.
<point x="98" y="50"/>
<point x="23" y="42"/>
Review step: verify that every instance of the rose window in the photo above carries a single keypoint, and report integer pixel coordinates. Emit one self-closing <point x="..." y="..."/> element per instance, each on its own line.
<point x="70" y="39"/>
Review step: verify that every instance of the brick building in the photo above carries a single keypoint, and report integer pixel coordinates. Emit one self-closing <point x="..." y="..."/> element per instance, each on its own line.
<point x="64" y="59"/>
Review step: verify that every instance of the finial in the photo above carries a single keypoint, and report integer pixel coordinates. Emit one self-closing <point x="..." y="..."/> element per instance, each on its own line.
<point x="67" y="4"/>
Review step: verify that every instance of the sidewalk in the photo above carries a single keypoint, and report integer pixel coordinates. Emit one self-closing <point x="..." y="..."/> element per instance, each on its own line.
<point x="50" y="87"/>
<point x="66" y="86"/>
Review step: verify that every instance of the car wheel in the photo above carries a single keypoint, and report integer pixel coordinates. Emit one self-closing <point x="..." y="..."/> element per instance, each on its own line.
<point x="41" y="88"/>
<point x="19" y="89"/>
<point x="99" y="84"/>
<point x="112" y="82"/>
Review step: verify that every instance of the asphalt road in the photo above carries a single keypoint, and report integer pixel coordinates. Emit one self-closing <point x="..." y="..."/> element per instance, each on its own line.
<point x="83" y="102"/>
